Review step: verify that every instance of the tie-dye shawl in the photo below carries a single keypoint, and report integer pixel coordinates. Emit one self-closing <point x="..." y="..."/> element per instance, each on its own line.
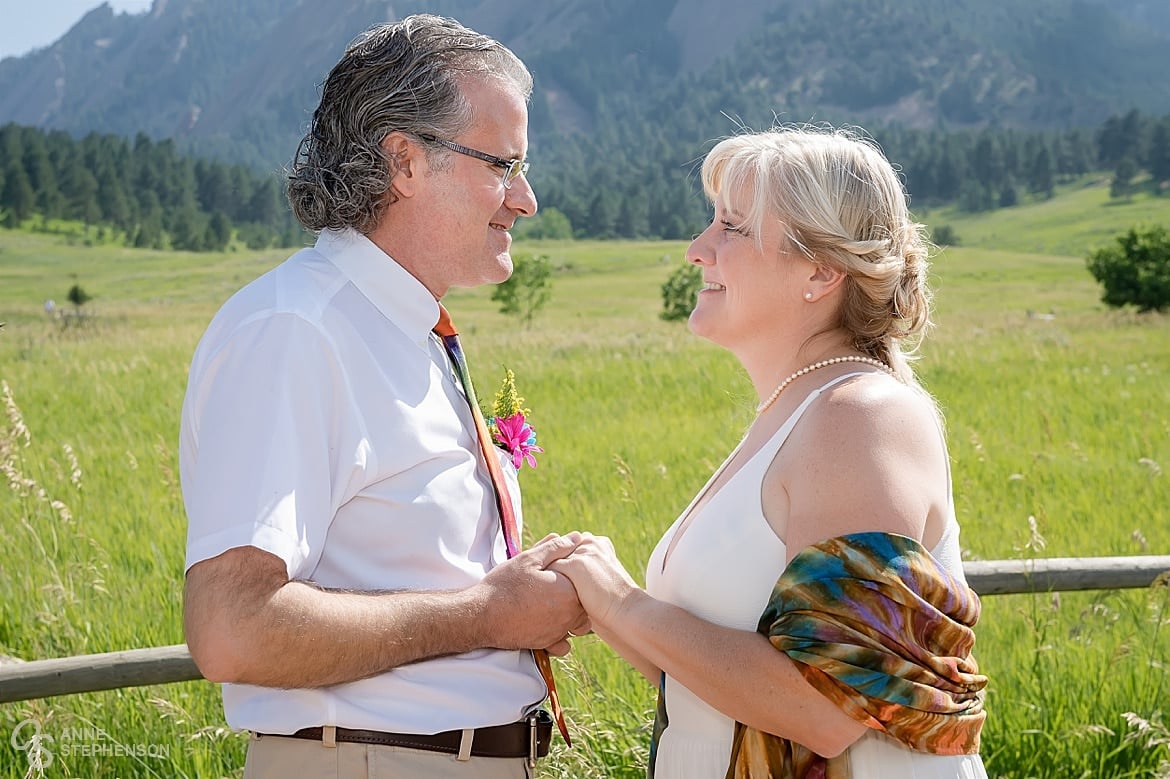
<point x="875" y="624"/>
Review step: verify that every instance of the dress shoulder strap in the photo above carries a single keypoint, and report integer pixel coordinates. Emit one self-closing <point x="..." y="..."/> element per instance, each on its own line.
<point x="780" y="436"/>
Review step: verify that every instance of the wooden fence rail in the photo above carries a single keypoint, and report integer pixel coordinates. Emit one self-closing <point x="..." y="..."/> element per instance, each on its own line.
<point x="163" y="665"/>
<point x="1063" y="574"/>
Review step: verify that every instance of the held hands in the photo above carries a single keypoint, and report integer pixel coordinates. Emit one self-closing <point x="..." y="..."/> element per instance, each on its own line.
<point x="602" y="583"/>
<point x="555" y="590"/>
<point x="526" y="605"/>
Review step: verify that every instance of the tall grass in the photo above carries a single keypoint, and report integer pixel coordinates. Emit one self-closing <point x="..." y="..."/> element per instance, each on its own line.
<point x="1058" y="416"/>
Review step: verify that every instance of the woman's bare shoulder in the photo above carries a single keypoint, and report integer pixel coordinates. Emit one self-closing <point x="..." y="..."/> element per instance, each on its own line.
<point x="873" y="408"/>
<point x="867" y="455"/>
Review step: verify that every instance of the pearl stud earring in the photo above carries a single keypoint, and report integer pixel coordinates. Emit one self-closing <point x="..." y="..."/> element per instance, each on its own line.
<point x="808" y="296"/>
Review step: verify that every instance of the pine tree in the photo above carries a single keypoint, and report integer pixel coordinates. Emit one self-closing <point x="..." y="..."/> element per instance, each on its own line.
<point x="633" y="217"/>
<point x="264" y="205"/>
<point x="41" y="176"/>
<point x="602" y="215"/>
<point x="114" y="203"/>
<point x="1159" y="158"/>
<point x="1040" y="179"/>
<point x="82" y="202"/>
<point x="18" y="198"/>
<point x="219" y="232"/>
<point x="1122" y="184"/>
<point x="188" y="230"/>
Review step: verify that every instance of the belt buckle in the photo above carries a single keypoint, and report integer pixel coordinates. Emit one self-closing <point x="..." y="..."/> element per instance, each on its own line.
<point x="533" y="740"/>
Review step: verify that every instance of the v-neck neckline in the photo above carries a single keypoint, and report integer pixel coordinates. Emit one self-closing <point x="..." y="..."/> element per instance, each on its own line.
<point x="706" y="495"/>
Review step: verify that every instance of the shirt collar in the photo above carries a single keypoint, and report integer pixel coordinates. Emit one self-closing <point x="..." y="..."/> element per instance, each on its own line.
<point x="391" y="288"/>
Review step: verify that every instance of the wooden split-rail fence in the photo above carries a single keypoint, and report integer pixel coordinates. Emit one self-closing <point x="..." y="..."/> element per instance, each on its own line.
<point x="164" y="665"/>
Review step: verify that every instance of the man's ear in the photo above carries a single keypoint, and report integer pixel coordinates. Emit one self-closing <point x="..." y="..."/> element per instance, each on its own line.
<point x="404" y="158"/>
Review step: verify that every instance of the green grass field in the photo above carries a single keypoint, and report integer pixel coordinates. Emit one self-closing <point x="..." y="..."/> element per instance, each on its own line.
<point x="1058" y="414"/>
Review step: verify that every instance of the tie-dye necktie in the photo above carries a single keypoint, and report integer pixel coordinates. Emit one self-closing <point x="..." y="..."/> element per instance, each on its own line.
<point x="446" y="331"/>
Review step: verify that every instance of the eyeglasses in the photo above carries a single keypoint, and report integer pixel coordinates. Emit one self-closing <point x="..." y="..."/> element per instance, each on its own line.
<point x="511" y="168"/>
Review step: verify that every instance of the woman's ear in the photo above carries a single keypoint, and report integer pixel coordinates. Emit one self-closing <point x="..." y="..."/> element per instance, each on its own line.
<point x="403" y="158"/>
<point x="822" y="281"/>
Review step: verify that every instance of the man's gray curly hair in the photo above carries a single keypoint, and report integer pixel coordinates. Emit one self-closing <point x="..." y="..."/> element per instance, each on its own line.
<point x="401" y="77"/>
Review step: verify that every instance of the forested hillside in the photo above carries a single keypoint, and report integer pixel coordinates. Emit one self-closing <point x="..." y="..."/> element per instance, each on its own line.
<point x="644" y="185"/>
<point x="139" y="192"/>
<point x="153" y="196"/>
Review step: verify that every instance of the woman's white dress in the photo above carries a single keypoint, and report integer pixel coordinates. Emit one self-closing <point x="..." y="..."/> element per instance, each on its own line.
<point x="723" y="569"/>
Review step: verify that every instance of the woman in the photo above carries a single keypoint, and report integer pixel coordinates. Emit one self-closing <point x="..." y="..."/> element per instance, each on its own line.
<point x="792" y="613"/>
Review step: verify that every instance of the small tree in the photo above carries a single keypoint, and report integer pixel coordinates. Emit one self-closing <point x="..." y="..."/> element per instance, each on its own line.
<point x="1136" y="271"/>
<point x="78" y="296"/>
<point x="528" y="288"/>
<point x="680" y="292"/>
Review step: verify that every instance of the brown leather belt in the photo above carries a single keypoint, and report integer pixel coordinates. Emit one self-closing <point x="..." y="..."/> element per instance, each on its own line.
<point x="528" y="738"/>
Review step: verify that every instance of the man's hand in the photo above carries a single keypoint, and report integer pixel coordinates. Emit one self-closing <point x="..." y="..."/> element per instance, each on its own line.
<point x="527" y="606"/>
<point x="598" y="576"/>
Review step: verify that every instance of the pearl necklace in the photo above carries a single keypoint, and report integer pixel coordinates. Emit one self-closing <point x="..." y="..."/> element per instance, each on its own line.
<point x="760" y="409"/>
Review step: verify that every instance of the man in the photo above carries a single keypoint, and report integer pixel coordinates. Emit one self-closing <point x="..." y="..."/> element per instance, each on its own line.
<point x="346" y="575"/>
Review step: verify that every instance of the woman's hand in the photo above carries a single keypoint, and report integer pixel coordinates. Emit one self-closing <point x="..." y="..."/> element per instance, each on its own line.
<point x="603" y="585"/>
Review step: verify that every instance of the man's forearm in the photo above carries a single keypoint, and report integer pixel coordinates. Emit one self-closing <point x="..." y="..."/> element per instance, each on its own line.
<point x="247" y="623"/>
<point x="307" y="637"/>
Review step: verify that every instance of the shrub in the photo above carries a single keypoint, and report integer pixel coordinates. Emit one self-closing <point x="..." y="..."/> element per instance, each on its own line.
<point x="680" y="291"/>
<point x="549" y="223"/>
<point x="1136" y="271"/>
<point x="945" y="235"/>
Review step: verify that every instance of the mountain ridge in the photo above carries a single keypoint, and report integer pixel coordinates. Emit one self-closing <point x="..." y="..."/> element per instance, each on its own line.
<point x="238" y="80"/>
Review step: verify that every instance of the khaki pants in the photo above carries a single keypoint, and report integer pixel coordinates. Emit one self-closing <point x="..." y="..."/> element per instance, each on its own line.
<point x="276" y="757"/>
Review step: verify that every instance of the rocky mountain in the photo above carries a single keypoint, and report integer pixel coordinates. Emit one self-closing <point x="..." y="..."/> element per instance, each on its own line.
<point x="238" y="78"/>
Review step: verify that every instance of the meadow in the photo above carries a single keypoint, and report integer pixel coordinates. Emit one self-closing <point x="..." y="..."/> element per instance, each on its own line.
<point x="1058" y="416"/>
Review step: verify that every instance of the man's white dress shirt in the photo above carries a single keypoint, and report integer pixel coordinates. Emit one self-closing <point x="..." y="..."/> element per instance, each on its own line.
<point x="323" y="423"/>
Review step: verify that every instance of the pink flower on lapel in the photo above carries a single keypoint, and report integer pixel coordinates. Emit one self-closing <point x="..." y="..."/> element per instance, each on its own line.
<point x="516" y="436"/>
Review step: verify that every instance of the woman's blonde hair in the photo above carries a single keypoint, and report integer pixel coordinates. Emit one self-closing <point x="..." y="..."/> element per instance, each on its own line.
<point x="842" y="204"/>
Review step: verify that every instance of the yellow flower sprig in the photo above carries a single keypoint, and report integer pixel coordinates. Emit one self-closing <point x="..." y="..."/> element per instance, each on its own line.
<point x="508" y="401"/>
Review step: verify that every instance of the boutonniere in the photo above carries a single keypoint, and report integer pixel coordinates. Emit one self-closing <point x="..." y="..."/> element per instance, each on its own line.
<point x="509" y="424"/>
